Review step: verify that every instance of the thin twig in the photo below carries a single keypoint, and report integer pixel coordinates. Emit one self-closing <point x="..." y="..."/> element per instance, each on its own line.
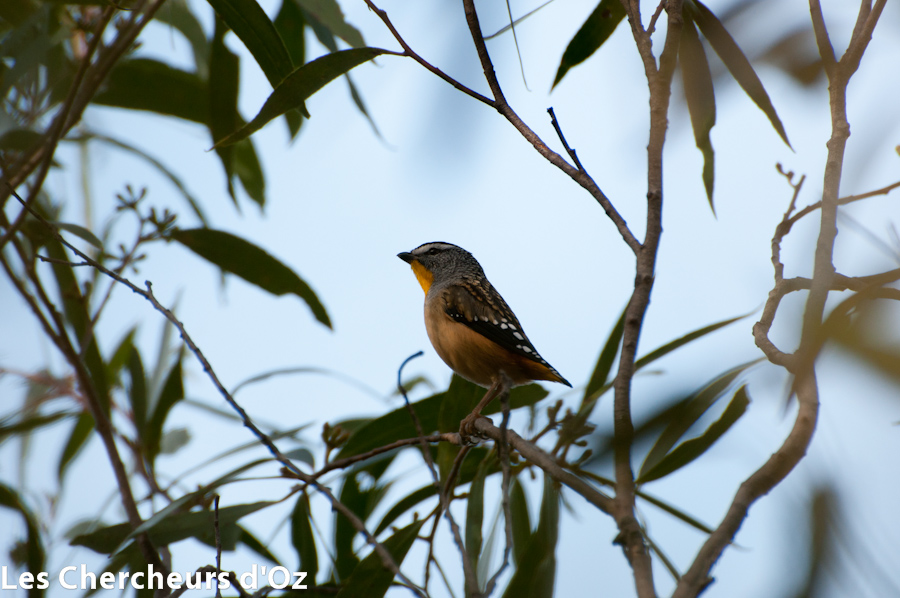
<point x="426" y="449"/>
<point x="544" y="461"/>
<point x="562" y="138"/>
<point x="652" y="27"/>
<point x="471" y="579"/>
<point x="503" y="455"/>
<point x="408" y="51"/>
<point x="451" y="437"/>
<point x="844" y="201"/>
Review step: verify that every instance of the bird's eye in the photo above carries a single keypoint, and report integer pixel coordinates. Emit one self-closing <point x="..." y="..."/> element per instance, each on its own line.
<point x="432" y="251"/>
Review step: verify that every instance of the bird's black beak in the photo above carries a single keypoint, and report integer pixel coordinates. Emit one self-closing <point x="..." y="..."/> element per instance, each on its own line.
<point x="406" y="257"/>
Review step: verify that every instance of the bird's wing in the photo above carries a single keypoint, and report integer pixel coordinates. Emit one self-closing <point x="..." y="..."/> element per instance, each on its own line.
<point x="477" y="305"/>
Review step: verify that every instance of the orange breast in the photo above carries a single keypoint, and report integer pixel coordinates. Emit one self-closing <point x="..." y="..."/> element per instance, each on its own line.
<point x="473" y="356"/>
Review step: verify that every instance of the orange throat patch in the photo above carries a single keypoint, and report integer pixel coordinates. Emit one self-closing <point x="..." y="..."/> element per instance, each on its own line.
<point x="423" y="275"/>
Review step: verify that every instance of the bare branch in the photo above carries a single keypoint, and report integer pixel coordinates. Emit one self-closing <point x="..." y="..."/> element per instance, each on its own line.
<point x="541" y="459"/>
<point x="408" y="51"/>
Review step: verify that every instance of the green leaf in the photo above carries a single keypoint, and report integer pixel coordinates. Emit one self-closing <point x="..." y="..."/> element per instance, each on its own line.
<point x="370" y="579"/>
<point x="521" y="521"/>
<point x="290" y="24"/>
<point x="302" y="84"/>
<point x="137" y="393"/>
<point x="302" y="538"/>
<point x="145" y="84"/>
<point x="397" y="424"/>
<point x="593" y="33"/>
<point x="701" y="103"/>
<point x="76" y="309"/>
<point x="251" y="24"/>
<point x="734" y="59"/>
<point x="246" y="260"/>
<point x="466" y="474"/>
<point x="689" y="450"/>
<point x="681" y="341"/>
<point x="362" y="502"/>
<point x="327" y="13"/>
<point x="177" y="14"/>
<point x="253" y="543"/>
<point x="475" y="511"/>
<point x="462" y="397"/>
<point x="184" y="503"/>
<point x="606" y="358"/>
<point x="174" y="528"/>
<point x="536" y="570"/>
<point x="34" y="556"/>
<point x="249" y="171"/>
<point x="172" y="393"/>
<point x="119" y="359"/>
<point x="19" y="139"/>
<point x="11" y="427"/>
<point x="174" y="440"/>
<point x="80" y="433"/>
<point x="224" y="80"/>
<point x="685" y="417"/>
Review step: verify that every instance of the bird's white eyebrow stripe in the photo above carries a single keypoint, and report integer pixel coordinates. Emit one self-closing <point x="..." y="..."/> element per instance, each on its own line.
<point x="434" y="244"/>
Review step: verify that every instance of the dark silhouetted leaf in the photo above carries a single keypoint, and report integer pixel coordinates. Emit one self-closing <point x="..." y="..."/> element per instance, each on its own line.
<point x="681" y="341"/>
<point x="34" y="557"/>
<point x="698" y="91"/>
<point x="397" y="424"/>
<point x="177" y="14"/>
<point x="466" y="474"/>
<point x="290" y="25"/>
<point x="249" y="171"/>
<point x="242" y="258"/>
<point x="172" y="392"/>
<point x="174" y="528"/>
<point x="302" y="537"/>
<point x="536" y="568"/>
<point x="251" y="24"/>
<point x="145" y="84"/>
<point x="10" y="426"/>
<point x="689" y="450"/>
<point x="137" y="392"/>
<point x="595" y="31"/>
<point x="475" y="512"/>
<point x="327" y="13"/>
<point x="734" y="59"/>
<point x="224" y="80"/>
<point x="253" y="543"/>
<point x="119" y="359"/>
<point x="361" y="501"/>
<point x="688" y="414"/>
<point x="605" y="360"/>
<point x="370" y="578"/>
<point x="80" y="433"/>
<point x="521" y="520"/>
<point x="300" y="85"/>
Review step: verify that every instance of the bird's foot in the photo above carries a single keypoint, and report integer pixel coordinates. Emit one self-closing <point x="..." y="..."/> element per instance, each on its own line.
<point x="468" y="434"/>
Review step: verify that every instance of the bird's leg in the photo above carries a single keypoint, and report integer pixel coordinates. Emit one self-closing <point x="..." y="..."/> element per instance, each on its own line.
<point x="467" y="425"/>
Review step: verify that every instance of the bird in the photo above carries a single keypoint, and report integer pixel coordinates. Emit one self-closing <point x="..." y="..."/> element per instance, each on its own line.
<point x="471" y="327"/>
